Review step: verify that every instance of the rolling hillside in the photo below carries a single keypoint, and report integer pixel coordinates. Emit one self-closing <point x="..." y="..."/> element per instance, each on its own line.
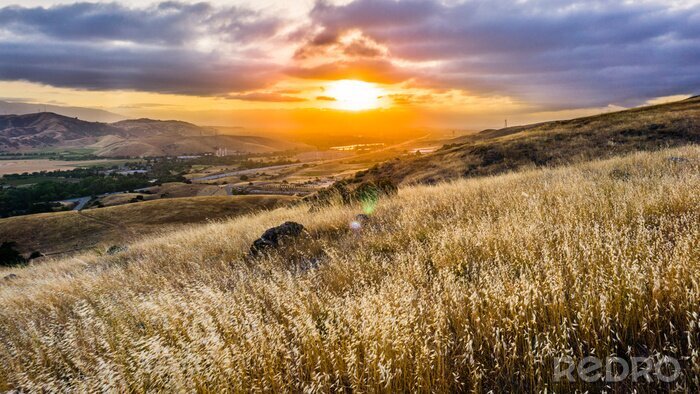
<point x="472" y="286"/>
<point x="60" y="232"/>
<point x="134" y="138"/>
<point x="552" y="143"/>
<point x="150" y="128"/>
<point x="49" y="130"/>
<point x="171" y="145"/>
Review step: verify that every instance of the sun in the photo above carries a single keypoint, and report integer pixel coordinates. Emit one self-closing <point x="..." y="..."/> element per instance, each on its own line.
<point x="352" y="95"/>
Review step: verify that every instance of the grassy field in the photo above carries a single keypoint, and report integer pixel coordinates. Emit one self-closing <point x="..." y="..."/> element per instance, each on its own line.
<point x="37" y="165"/>
<point x="35" y="179"/>
<point x="167" y="190"/>
<point x="61" y="232"/>
<point x="474" y="285"/>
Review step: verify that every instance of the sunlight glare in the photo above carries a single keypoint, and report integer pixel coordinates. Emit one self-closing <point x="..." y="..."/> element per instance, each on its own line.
<point x="352" y="95"/>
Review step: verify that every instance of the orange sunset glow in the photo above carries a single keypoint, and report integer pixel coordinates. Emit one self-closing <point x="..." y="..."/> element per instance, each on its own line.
<point x="225" y="64"/>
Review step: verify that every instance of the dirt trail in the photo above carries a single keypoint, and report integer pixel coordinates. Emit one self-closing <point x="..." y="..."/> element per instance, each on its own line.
<point x="108" y="223"/>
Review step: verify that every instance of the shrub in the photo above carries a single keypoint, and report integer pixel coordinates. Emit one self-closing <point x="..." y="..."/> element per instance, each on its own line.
<point x="9" y="256"/>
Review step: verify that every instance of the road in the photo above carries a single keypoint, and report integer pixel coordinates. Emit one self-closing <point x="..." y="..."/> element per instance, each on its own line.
<point x="79" y="202"/>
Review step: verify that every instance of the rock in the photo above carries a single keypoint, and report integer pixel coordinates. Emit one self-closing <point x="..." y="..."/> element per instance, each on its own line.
<point x="10" y="277"/>
<point x="36" y="255"/>
<point x="273" y="237"/>
<point x="116" y="249"/>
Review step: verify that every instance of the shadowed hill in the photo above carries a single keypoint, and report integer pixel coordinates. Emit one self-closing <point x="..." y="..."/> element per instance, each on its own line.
<point x="552" y="143"/>
<point x="42" y="130"/>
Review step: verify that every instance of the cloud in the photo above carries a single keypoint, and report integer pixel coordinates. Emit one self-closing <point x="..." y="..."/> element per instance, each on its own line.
<point x="266" y="97"/>
<point x="93" y="67"/>
<point x="549" y="52"/>
<point x="411" y="99"/>
<point x="170" y="47"/>
<point x="326" y="98"/>
<point x="171" y="22"/>
<point x="369" y="70"/>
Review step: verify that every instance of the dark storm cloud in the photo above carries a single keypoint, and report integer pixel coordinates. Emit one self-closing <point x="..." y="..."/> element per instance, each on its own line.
<point x="152" y="70"/>
<point x="551" y="52"/>
<point x="73" y="46"/>
<point x="170" y="22"/>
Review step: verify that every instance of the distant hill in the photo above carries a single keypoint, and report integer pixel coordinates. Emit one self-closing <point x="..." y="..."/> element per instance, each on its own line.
<point x="139" y="137"/>
<point x="48" y="130"/>
<point x="150" y="127"/>
<point x="552" y="143"/>
<point x="89" y="114"/>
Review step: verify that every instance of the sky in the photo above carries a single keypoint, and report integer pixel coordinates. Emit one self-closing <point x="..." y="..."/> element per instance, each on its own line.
<point x="317" y="65"/>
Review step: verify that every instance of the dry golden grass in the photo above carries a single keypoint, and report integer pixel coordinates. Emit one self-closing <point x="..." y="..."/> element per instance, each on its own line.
<point x="565" y="142"/>
<point x="470" y="286"/>
<point x="61" y="232"/>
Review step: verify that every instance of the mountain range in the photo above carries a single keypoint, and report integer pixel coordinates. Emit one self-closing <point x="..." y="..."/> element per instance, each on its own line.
<point x="133" y="138"/>
<point x="89" y="114"/>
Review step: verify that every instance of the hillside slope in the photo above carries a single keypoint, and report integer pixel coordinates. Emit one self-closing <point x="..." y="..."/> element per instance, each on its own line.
<point x="46" y="130"/>
<point x="60" y="232"/>
<point x="137" y="137"/>
<point x="169" y="145"/>
<point x="469" y="286"/>
<point x="552" y="143"/>
<point x="149" y="128"/>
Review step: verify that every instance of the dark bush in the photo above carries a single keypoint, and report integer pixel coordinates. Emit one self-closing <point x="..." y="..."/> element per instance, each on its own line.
<point x="9" y="256"/>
